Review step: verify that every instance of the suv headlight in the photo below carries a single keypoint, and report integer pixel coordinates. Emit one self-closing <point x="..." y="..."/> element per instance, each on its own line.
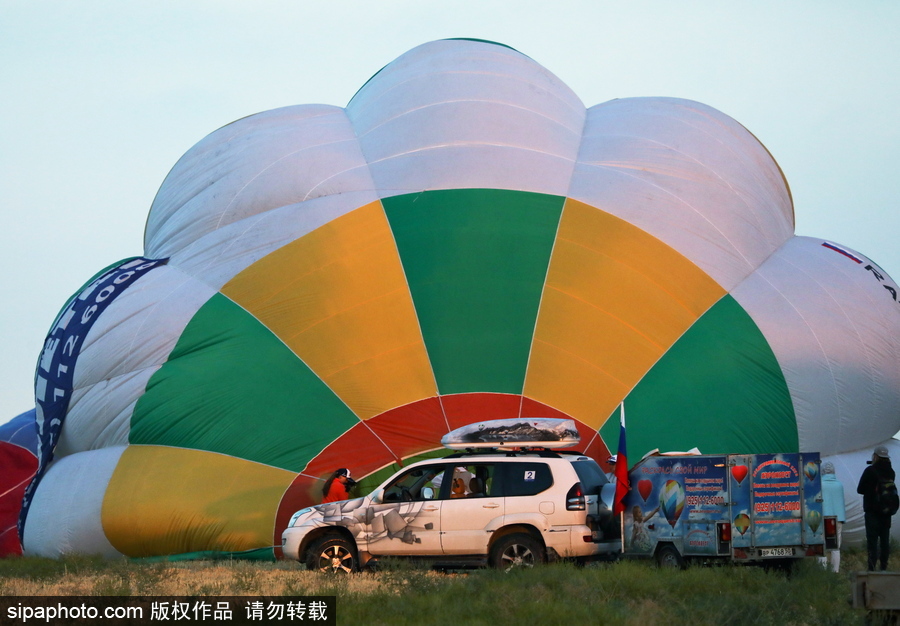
<point x="297" y="515"/>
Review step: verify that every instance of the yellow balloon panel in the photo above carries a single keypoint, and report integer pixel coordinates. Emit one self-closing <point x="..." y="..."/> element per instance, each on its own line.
<point x="338" y="298"/>
<point x="615" y="300"/>
<point x="164" y="500"/>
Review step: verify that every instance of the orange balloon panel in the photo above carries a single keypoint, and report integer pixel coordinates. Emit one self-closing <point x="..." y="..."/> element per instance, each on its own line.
<point x="345" y="309"/>
<point x="616" y="298"/>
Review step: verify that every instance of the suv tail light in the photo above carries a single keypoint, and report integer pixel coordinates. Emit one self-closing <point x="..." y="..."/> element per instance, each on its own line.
<point x="575" y="498"/>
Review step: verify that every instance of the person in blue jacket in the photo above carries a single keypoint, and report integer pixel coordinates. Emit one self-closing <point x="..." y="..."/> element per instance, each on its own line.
<point x="833" y="505"/>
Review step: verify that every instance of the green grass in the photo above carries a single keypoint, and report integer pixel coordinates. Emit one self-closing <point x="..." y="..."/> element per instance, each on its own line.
<point x="40" y="568"/>
<point x="628" y="592"/>
<point x="620" y="593"/>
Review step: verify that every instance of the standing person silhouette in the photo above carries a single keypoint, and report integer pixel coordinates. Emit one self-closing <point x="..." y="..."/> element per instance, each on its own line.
<point x="878" y="523"/>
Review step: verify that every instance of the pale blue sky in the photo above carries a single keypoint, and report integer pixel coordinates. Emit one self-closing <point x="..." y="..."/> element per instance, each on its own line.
<point x="99" y="99"/>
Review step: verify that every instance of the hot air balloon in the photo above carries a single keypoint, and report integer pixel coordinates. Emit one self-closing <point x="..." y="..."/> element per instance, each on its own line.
<point x="325" y="287"/>
<point x="813" y="519"/>
<point x="645" y="488"/>
<point x="811" y="470"/>
<point x="742" y="522"/>
<point x="671" y="501"/>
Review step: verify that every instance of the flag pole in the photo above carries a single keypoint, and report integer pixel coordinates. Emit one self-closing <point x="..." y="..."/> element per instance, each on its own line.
<point x="622" y="486"/>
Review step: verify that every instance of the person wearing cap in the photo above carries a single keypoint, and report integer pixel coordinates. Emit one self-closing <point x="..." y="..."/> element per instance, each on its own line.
<point x="878" y="525"/>
<point x="833" y="505"/>
<point x="335" y="488"/>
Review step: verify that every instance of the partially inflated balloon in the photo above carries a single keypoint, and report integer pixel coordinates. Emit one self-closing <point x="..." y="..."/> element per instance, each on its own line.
<point x="327" y="287"/>
<point x="18" y="459"/>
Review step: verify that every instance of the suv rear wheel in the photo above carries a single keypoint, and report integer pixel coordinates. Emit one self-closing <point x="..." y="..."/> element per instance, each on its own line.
<point x="332" y="554"/>
<point x="516" y="550"/>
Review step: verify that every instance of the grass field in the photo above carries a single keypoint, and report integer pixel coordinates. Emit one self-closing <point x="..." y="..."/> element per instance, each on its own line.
<point x="628" y="592"/>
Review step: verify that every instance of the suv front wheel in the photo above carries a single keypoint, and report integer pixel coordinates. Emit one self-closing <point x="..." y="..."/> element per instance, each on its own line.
<point x="332" y="554"/>
<point x="516" y="550"/>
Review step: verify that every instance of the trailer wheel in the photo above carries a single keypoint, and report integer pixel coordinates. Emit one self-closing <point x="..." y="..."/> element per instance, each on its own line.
<point x="667" y="556"/>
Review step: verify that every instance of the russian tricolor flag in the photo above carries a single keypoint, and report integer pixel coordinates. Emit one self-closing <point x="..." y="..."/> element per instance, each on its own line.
<point x="622" y="485"/>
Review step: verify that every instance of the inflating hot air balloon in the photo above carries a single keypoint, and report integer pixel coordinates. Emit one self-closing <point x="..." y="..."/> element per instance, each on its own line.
<point x="327" y="287"/>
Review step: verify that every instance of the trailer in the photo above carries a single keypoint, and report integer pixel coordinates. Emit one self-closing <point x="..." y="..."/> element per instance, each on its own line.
<point x="749" y="508"/>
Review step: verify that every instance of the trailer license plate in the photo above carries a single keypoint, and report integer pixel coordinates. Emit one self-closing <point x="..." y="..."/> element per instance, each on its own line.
<point x="776" y="552"/>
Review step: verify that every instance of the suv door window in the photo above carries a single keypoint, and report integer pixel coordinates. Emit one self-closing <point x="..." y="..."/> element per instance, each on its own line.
<point x="524" y="478"/>
<point x="471" y="481"/>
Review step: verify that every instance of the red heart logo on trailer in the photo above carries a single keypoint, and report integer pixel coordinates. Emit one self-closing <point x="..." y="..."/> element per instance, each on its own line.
<point x="739" y="472"/>
<point x="644" y="488"/>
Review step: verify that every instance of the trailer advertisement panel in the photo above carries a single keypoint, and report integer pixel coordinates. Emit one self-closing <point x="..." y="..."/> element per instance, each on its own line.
<point x="775" y="500"/>
<point x="678" y="500"/>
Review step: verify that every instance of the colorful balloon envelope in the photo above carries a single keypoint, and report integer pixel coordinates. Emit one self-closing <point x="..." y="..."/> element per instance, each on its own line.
<point x="327" y="287"/>
<point x="742" y="522"/>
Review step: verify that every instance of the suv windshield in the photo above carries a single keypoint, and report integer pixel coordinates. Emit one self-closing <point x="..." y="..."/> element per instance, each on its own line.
<point x="416" y="484"/>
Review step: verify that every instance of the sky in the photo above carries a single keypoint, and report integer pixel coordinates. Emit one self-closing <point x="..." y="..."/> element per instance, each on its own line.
<point x="100" y="99"/>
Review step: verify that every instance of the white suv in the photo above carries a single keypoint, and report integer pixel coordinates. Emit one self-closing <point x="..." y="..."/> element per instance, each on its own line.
<point x="505" y="509"/>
